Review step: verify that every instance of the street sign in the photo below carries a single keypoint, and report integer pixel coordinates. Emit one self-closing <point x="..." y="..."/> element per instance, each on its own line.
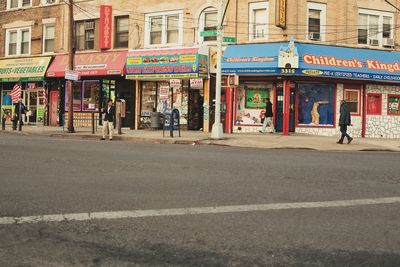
<point x="229" y="39"/>
<point x="209" y="33"/>
<point x="72" y="75"/>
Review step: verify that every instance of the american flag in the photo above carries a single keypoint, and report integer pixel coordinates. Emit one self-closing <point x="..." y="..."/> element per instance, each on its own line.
<point x="16" y="93"/>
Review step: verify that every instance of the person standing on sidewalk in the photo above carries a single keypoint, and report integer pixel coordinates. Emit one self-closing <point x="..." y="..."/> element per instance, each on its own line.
<point x="108" y="121"/>
<point x="20" y="109"/>
<point x="344" y="121"/>
<point x="268" y="117"/>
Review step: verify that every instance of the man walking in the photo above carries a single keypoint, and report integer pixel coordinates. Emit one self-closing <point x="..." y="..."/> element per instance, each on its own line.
<point x="108" y="119"/>
<point x="344" y="121"/>
<point x="268" y="117"/>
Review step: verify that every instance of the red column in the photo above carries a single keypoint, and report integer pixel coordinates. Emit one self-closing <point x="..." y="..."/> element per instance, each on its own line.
<point x="229" y="109"/>
<point x="364" y="111"/>
<point x="286" y="107"/>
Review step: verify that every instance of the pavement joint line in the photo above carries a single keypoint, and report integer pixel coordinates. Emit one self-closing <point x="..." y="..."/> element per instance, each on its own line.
<point x="131" y="214"/>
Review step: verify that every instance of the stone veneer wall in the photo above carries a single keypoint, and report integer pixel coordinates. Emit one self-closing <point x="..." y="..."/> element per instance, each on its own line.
<point x="384" y="125"/>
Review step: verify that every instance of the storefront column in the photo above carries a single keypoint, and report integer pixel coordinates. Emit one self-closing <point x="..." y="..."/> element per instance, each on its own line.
<point x="229" y="109"/>
<point x="364" y="111"/>
<point x="206" y="107"/>
<point x="286" y="107"/>
<point x="138" y="98"/>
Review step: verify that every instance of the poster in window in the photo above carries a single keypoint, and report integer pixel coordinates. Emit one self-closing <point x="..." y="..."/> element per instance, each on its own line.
<point x="256" y="98"/>
<point x="394" y="105"/>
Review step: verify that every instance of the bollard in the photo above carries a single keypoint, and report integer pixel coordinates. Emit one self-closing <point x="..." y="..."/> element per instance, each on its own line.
<point x="92" y="122"/>
<point x="3" y="123"/>
<point x="20" y="122"/>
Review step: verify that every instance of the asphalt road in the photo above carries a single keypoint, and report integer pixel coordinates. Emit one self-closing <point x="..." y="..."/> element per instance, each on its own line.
<point x="41" y="176"/>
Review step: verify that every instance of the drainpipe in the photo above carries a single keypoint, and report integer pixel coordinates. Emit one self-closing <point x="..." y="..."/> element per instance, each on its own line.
<point x="364" y="111"/>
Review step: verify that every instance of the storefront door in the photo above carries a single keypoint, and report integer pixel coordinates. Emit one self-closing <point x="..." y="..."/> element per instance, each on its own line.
<point x="279" y="109"/>
<point x="53" y="108"/>
<point x="195" y="120"/>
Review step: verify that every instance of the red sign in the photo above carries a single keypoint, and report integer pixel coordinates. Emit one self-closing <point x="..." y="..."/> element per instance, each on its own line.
<point x="105" y="27"/>
<point x="90" y="64"/>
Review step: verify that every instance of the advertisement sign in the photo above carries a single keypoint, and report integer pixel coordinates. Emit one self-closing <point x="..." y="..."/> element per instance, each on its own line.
<point x="280" y="17"/>
<point x="255" y="98"/>
<point x="23" y="69"/>
<point x="175" y="83"/>
<point x="196" y="83"/>
<point x="105" y="27"/>
<point x="72" y="75"/>
<point x="168" y="66"/>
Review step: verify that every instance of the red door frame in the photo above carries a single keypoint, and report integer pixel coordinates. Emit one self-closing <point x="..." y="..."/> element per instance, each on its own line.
<point x="53" y="103"/>
<point x="286" y="107"/>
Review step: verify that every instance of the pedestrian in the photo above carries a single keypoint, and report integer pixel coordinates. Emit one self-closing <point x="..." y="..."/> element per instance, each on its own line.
<point x="20" y="109"/>
<point x="344" y="121"/>
<point x="108" y="121"/>
<point x="268" y="117"/>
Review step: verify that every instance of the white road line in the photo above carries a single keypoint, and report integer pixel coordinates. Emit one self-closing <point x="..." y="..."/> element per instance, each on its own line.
<point x="129" y="214"/>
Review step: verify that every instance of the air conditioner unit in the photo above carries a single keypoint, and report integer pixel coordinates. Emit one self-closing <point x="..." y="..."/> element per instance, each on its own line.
<point x="315" y="36"/>
<point x="388" y="42"/>
<point x="373" y="42"/>
<point x="89" y="25"/>
<point x="50" y="1"/>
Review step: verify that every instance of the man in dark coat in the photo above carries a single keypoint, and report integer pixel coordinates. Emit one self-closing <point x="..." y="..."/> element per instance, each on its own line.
<point x="20" y="109"/>
<point x="268" y="117"/>
<point x="108" y="119"/>
<point x="344" y="121"/>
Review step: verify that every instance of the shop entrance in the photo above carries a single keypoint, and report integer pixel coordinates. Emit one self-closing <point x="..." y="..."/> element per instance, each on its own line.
<point x="279" y="109"/>
<point x="195" y="107"/>
<point x="34" y="103"/>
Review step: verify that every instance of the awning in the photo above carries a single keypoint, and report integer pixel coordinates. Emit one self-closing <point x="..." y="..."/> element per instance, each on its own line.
<point x="312" y="60"/>
<point x="90" y="64"/>
<point x="166" y="63"/>
<point x="23" y="69"/>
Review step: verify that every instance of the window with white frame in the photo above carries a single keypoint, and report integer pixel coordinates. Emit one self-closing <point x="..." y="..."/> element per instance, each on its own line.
<point x="258" y="20"/>
<point x="18" y="42"/>
<point x="375" y="28"/>
<point x="316" y="21"/>
<point x="18" y="3"/>
<point x="85" y="35"/>
<point x="164" y="28"/>
<point x="352" y="95"/>
<point x="208" y="22"/>
<point x="48" y="38"/>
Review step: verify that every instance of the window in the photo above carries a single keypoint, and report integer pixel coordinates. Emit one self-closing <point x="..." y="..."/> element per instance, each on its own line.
<point x="18" y="3"/>
<point x="258" y="20"/>
<point x="48" y="38"/>
<point x="85" y="96"/>
<point x="164" y="28"/>
<point x="49" y="2"/>
<point x="375" y="28"/>
<point x="316" y="104"/>
<point x="18" y="42"/>
<point x="352" y="97"/>
<point x="208" y="22"/>
<point x="374" y="104"/>
<point x="393" y="105"/>
<point x="86" y="35"/>
<point x="316" y="21"/>
<point x="121" y="32"/>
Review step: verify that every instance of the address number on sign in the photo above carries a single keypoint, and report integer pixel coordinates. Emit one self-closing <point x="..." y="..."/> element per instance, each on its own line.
<point x="291" y="71"/>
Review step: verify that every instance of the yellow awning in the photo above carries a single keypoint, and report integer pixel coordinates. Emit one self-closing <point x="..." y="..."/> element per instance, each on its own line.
<point x="23" y="69"/>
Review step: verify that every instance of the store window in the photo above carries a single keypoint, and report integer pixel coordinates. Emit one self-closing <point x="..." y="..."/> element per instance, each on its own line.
<point x="393" y="105"/>
<point x="86" y="35"/>
<point x="375" y="28"/>
<point x="164" y="28"/>
<point x="85" y="96"/>
<point x="250" y="103"/>
<point x="121" y="32"/>
<point x="352" y="97"/>
<point x="374" y="104"/>
<point x="258" y="20"/>
<point x="316" y="21"/>
<point x="48" y="38"/>
<point x="149" y="98"/>
<point x="208" y="22"/>
<point x="316" y="104"/>
<point x="18" y="42"/>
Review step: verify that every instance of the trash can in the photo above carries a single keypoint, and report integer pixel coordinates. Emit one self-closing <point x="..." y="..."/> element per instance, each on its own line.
<point x="155" y="120"/>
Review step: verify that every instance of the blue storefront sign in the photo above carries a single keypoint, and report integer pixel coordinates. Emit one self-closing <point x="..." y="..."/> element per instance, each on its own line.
<point x="313" y="60"/>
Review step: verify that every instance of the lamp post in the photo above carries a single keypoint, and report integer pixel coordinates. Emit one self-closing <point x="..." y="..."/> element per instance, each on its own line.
<point x="217" y="130"/>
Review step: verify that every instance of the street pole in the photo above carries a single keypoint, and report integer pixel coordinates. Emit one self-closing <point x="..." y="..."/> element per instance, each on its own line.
<point x="71" y="67"/>
<point x="217" y="130"/>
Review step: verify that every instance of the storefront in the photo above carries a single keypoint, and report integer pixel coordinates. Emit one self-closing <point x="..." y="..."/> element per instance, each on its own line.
<point x="306" y="84"/>
<point x="170" y="78"/>
<point x="29" y="74"/>
<point x="101" y="77"/>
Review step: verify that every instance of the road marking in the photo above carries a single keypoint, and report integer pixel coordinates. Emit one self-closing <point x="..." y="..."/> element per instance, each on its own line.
<point x="192" y="211"/>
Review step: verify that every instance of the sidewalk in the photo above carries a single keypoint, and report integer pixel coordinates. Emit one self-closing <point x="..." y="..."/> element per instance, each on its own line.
<point x="256" y="140"/>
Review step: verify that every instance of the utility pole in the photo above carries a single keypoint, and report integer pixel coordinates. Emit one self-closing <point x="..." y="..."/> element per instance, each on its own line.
<point x="217" y="130"/>
<point x="71" y="53"/>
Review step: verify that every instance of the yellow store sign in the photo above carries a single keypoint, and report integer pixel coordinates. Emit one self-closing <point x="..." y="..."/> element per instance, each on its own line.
<point x="23" y="69"/>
